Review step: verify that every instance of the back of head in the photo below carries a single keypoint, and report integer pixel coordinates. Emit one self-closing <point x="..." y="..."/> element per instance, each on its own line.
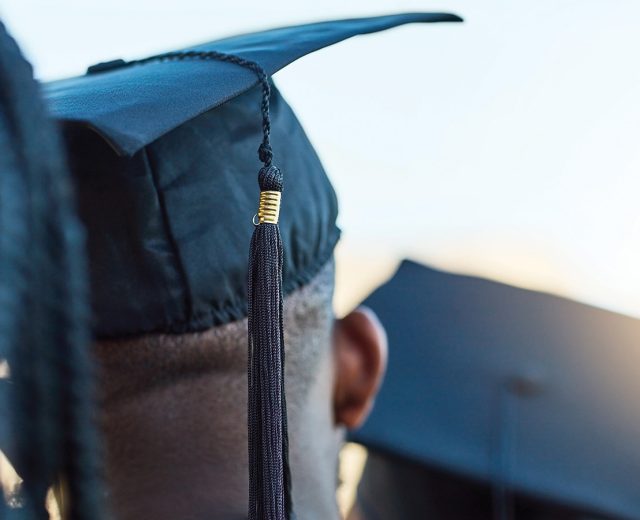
<point x="168" y="230"/>
<point x="174" y="414"/>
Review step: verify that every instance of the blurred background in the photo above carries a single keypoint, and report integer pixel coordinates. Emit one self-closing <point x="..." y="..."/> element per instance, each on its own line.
<point x="504" y="147"/>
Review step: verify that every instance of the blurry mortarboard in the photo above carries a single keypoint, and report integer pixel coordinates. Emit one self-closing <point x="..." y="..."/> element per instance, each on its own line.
<point x="531" y="393"/>
<point x="163" y="154"/>
<point x="47" y="430"/>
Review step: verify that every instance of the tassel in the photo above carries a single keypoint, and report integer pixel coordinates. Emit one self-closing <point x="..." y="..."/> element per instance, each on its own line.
<point x="269" y="479"/>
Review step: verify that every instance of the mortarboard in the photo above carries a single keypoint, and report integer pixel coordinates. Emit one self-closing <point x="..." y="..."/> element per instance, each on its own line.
<point x="529" y="393"/>
<point x="163" y="154"/>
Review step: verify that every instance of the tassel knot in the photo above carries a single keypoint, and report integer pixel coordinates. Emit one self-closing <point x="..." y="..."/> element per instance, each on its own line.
<point x="270" y="179"/>
<point x="265" y="154"/>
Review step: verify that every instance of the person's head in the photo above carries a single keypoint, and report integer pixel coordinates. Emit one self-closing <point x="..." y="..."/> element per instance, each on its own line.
<point x="163" y="152"/>
<point x="174" y="409"/>
<point x="168" y="259"/>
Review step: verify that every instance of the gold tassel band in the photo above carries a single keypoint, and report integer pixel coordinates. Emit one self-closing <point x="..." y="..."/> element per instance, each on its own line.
<point x="269" y="208"/>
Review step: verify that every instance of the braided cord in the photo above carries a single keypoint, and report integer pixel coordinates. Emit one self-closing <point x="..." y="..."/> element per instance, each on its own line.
<point x="265" y="152"/>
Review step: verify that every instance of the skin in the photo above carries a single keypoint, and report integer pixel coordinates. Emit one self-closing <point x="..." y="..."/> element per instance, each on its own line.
<point x="177" y="447"/>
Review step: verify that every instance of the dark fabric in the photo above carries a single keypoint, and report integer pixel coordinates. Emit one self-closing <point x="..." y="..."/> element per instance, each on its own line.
<point x="523" y="390"/>
<point x="133" y="106"/>
<point x="169" y="228"/>
<point x="396" y="487"/>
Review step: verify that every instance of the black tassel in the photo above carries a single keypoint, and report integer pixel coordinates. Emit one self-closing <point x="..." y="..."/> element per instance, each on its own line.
<point x="269" y="474"/>
<point x="269" y="493"/>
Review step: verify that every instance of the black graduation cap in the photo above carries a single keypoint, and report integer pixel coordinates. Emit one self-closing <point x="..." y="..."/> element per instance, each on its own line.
<point x="527" y="392"/>
<point x="172" y="187"/>
<point x="163" y="152"/>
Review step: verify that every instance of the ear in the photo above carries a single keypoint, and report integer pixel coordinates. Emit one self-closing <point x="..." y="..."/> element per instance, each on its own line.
<point x="360" y="353"/>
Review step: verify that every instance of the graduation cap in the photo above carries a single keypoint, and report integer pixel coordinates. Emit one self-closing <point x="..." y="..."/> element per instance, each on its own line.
<point x="163" y="152"/>
<point x="528" y="393"/>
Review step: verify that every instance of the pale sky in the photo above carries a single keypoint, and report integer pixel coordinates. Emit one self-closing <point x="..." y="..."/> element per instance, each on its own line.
<point x="506" y="146"/>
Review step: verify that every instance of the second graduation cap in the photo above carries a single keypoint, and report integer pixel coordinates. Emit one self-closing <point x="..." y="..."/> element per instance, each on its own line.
<point x="521" y="391"/>
<point x="163" y="151"/>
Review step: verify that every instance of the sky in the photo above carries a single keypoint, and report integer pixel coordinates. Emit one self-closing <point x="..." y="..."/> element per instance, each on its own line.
<point x="505" y="147"/>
